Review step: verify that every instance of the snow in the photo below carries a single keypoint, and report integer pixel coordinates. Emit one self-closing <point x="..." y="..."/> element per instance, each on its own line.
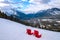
<point x="10" y="30"/>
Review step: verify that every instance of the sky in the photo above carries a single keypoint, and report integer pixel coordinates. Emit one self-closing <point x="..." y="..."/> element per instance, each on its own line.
<point x="30" y="6"/>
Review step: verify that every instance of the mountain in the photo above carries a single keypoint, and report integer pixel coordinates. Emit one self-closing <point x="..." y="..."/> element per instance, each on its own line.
<point x="54" y="11"/>
<point x="49" y="13"/>
<point x="19" y="14"/>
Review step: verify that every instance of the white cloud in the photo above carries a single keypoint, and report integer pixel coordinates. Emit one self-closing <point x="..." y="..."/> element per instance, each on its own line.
<point x="35" y="5"/>
<point x="24" y="0"/>
<point x="3" y="4"/>
<point x="1" y="0"/>
<point x="55" y="3"/>
<point x="39" y="5"/>
<point x="8" y="4"/>
<point x="35" y="8"/>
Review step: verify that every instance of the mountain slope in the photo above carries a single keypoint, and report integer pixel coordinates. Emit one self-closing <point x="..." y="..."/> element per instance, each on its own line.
<point x="10" y="30"/>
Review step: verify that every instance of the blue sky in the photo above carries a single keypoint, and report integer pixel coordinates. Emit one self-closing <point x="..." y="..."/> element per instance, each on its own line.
<point x="30" y="5"/>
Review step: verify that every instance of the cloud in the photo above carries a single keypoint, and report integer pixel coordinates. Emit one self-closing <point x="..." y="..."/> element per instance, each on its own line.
<point x="55" y="3"/>
<point x="1" y="0"/>
<point x="41" y="5"/>
<point x="8" y="4"/>
<point x="19" y="4"/>
<point x="3" y="4"/>
<point x="45" y="1"/>
<point x="36" y="6"/>
<point x="30" y="6"/>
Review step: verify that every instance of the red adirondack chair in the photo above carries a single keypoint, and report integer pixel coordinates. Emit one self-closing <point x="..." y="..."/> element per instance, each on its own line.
<point x="29" y="32"/>
<point x="36" y="34"/>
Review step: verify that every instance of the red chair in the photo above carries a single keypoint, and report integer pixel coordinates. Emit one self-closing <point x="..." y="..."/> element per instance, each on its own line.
<point x="36" y="34"/>
<point x="29" y="32"/>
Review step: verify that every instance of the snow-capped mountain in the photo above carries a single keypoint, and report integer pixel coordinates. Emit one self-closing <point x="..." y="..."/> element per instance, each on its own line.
<point x="53" y="13"/>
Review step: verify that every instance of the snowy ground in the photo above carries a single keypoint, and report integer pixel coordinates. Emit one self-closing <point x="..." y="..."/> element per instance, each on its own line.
<point x="10" y="30"/>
